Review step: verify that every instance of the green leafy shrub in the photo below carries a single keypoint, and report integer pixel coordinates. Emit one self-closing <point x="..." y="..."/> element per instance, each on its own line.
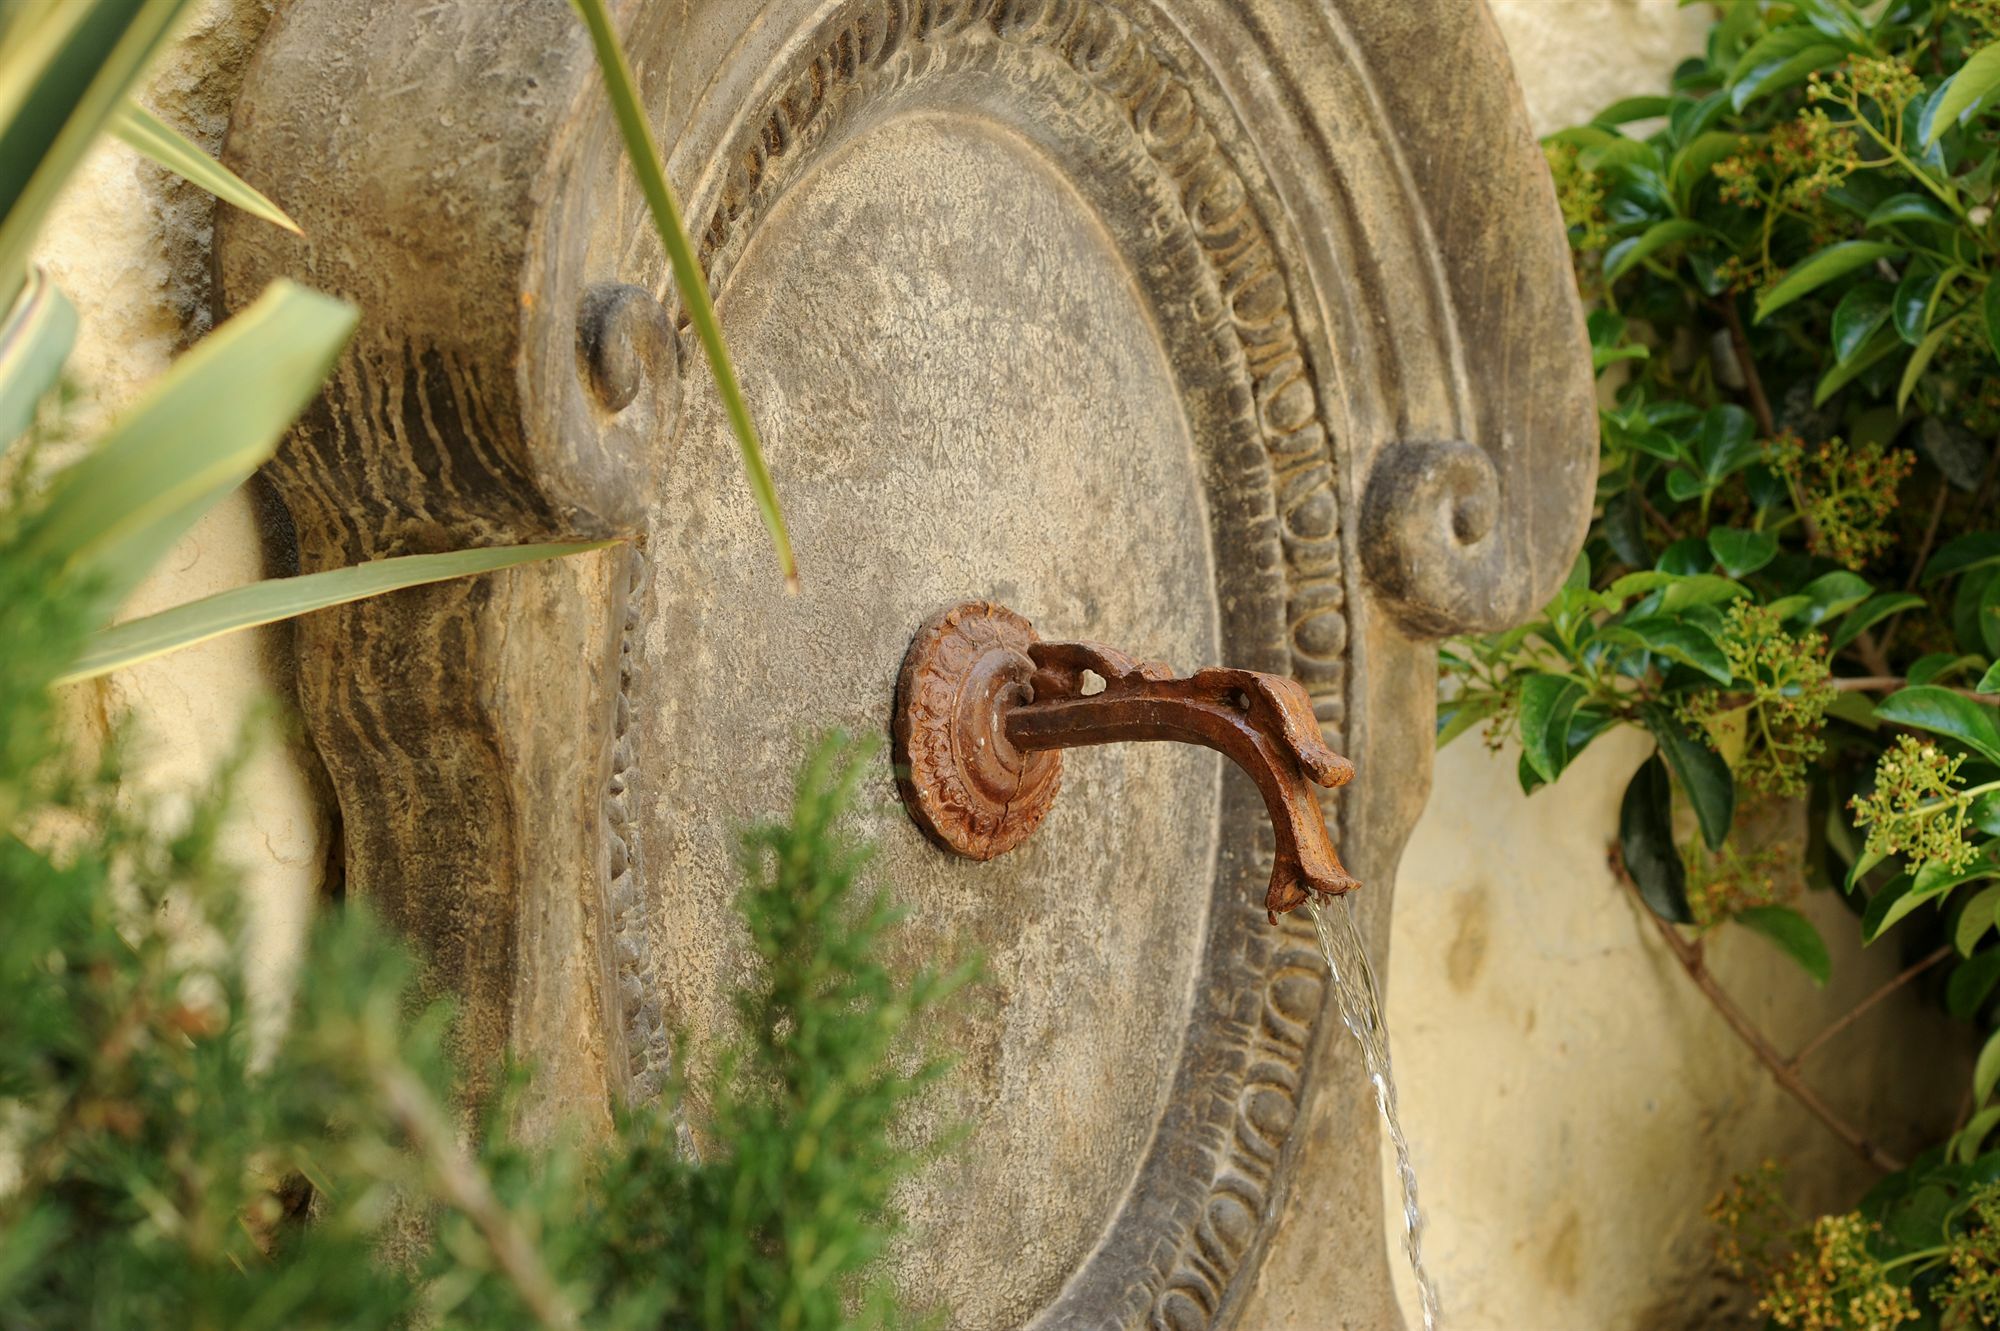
<point x="175" y="1158"/>
<point x="1792" y="580"/>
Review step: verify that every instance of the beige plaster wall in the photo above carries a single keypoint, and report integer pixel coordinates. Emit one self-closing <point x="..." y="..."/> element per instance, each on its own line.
<point x="1572" y="1102"/>
<point x="129" y="245"/>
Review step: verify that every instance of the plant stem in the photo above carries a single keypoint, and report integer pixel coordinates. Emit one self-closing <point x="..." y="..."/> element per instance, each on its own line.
<point x="1753" y="384"/>
<point x="1689" y="955"/>
<point x="1907" y="974"/>
<point x="1930" y="536"/>
<point x="1890" y="683"/>
<point x="464" y="1187"/>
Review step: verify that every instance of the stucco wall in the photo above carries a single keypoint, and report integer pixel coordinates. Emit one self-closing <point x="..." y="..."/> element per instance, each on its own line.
<point x="129" y="245"/>
<point x="1571" y="1100"/>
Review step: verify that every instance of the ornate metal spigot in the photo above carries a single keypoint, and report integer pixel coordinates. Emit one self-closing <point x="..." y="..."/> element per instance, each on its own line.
<point x="983" y="707"/>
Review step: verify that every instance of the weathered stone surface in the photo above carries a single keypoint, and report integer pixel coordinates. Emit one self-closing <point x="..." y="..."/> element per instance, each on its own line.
<point x="1153" y="319"/>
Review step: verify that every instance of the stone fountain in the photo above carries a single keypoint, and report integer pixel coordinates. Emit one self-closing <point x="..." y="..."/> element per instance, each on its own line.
<point x="1223" y="331"/>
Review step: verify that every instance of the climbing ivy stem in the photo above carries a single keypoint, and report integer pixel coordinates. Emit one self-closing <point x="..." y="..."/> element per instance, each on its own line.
<point x="1854" y="1014"/>
<point x="1753" y="383"/>
<point x="1694" y="964"/>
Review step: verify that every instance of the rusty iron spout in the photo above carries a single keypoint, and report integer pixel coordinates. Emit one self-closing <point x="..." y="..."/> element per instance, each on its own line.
<point x="1262" y="723"/>
<point x="984" y="706"/>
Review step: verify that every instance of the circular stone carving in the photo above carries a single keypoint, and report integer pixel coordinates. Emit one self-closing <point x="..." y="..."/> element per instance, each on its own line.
<point x="1101" y="308"/>
<point x="967" y="786"/>
<point x="1058" y="305"/>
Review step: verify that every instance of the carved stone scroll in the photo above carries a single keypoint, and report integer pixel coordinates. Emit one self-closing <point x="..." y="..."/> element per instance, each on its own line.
<point x="1225" y="330"/>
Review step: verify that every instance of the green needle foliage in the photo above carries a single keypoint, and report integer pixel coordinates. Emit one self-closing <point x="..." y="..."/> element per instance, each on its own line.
<point x="174" y="1153"/>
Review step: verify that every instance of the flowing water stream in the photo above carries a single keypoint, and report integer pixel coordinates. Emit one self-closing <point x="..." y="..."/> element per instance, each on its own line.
<point x="1361" y="1011"/>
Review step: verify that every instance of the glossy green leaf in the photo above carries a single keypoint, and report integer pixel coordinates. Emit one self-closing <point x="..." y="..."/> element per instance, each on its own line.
<point x="34" y="343"/>
<point x="1646" y="841"/>
<point x="167" y="147"/>
<point x="644" y="157"/>
<point x="1704" y="777"/>
<point x="1831" y="594"/>
<point x="1920" y="360"/>
<point x="1915" y="300"/>
<point x="1834" y="19"/>
<point x="1616" y="154"/>
<point x="1795" y="936"/>
<point x="1936" y="667"/>
<point x="1547" y="702"/>
<point x="1989" y="316"/>
<point x="1700" y="589"/>
<point x="1968" y="611"/>
<point x="1741" y="552"/>
<point x="1986" y="1070"/>
<point x="1458" y="715"/>
<point x="1900" y="208"/>
<point x="1942" y="712"/>
<point x="1696" y="162"/>
<point x="1859" y="315"/>
<point x="1965" y="1143"/>
<point x="1841" y="373"/>
<point x="200" y="431"/>
<point x="1973" y="922"/>
<point x="1726" y="441"/>
<point x="274" y="599"/>
<point x="1863" y="865"/>
<point x="1989" y="618"/>
<point x="1972" y="981"/>
<point x="1608" y="343"/>
<point x="1683" y="485"/>
<point x="1836" y="260"/>
<point x="1978" y="549"/>
<point x="1690" y="118"/>
<point x="1990" y="681"/>
<point x="1622" y="257"/>
<point x="1870" y="613"/>
<point x="1887" y="907"/>
<point x="1627" y="109"/>
<point x="1779" y="60"/>
<point x="1939" y="879"/>
<point x="1630" y="585"/>
<point x="1677" y="640"/>
<point x="61" y="81"/>
<point x="1975" y="79"/>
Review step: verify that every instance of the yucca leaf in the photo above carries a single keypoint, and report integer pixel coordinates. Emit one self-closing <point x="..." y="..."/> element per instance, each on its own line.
<point x="647" y="165"/>
<point x="267" y="602"/>
<point x="59" y="86"/>
<point x="166" y="146"/>
<point x="198" y="433"/>
<point x="34" y="343"/>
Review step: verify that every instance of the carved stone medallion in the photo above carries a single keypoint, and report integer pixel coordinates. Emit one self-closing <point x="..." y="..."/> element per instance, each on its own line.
<point x="1161" y="321"/>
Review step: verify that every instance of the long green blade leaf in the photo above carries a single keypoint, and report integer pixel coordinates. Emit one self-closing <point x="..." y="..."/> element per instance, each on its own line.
<point x="646" y="160"/>
<point x="283" y="598"/>
<point x="165" y="145"/>
<point x="58" y="89"/>
<point x="34" y="343"/>
<point x="202" y="429"/>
